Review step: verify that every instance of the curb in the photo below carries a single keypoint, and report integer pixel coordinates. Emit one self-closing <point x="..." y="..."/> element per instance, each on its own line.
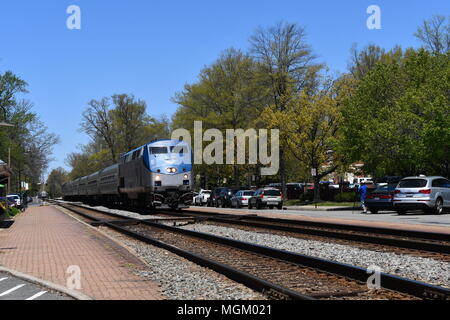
<point x="56" y="287"/>
<point x="322" y="209"/>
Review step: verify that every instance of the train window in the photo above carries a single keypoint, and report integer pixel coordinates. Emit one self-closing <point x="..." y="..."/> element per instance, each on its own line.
<point x="180" y="148"/>
<point x="158" y="150"/>
<point x="136" y="154"/>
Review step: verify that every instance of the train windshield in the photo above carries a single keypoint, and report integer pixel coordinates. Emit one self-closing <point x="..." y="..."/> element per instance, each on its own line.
<point x="158" y="150"/>
<point x="178" y="149"/>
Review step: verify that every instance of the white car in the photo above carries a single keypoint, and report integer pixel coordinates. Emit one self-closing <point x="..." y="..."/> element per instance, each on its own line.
<point x="430" y="194"/>
<point x="202" y="198"/>
<point x="16" y="198"/>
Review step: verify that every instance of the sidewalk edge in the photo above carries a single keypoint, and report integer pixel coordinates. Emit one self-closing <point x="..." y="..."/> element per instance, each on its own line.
<point x="74" y="294"/>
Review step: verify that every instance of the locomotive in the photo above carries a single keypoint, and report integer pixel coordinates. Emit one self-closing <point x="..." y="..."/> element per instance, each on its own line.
<point x="156" y="175"/>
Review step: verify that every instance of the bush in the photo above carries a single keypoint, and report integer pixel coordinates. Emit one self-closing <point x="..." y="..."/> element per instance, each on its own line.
<point x="345" y="197"/>
<point x="13" y="212"/>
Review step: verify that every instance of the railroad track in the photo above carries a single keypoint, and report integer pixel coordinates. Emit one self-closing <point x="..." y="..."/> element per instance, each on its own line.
<point x="424" y="244"/>
<point x="279" y="274"/>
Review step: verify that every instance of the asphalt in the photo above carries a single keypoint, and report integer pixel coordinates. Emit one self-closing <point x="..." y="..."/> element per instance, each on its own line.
<point x="13" y="288"/>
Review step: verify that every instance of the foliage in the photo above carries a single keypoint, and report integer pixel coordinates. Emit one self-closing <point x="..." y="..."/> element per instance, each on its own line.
<point x="55" y="181"/>
<point x="398" y="120"/>
<point x="115" y="125"/>
<point x="30" y="143"/>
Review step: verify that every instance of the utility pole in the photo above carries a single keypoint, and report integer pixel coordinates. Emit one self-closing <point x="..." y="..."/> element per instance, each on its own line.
<point x="9" y="177"/>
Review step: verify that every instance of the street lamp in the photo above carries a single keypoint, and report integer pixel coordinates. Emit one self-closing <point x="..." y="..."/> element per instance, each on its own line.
<point x="4" y="124"/>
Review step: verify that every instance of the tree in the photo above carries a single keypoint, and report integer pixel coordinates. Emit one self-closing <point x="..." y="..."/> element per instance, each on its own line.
<point x="311" y="123"/>
<point x="55" y="181"/>
<point x="98" y="124"/>
<point x="28" y="140"/>
<point x="227" y="96"/>
<point x="435" y="34"/>
<point x="397" y="121"/>
<point x="286" y="67"/>
<point x="129" y="118"/>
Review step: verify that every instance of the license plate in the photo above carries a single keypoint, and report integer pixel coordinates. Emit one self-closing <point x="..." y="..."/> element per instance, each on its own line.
<point x="272" y="202"/>
<point x="377" y="199"/>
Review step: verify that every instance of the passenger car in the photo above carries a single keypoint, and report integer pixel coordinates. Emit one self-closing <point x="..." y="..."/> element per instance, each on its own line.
<point x="10" y="202"/>
<point x="382" y="198"/>
<point x="224" y="198"/>
<point x="240" y="199"/>
<point x="430" y="194"/>
<point x="16" y="198"/>
<point x="266" y="198"/>
<point x="202" y="197"/>
<point x="215" y="194"/>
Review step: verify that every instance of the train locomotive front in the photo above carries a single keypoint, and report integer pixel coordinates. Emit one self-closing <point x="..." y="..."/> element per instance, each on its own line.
<point x="157" y="175"/>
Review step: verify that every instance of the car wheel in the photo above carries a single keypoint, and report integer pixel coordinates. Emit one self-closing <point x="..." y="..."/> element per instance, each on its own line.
<point x="401" y="212"/>
<point x="439" y="206"/>
<point x="374" y="211"/>
<point x="280" y="207"/>
<point x="258" y="205"/>
<point x="250" y="207"/>
<point x="271" y="207"/>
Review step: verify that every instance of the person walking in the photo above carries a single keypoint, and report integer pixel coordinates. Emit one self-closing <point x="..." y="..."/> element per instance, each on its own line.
<point x="363" y="195"/>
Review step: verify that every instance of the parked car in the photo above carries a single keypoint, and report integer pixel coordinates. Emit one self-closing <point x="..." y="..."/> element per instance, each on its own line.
<point x="430" y="194"/>
<point x="215" y="194"/>
<point x="10" y="201"/>
<point x="16" y="198"/>
<point x="240" y="199"/>
<point x="382" y="198"/>
<point x="194" y="195"/>
<point x="224" y="199"/>
<point x="266" y="198"/>
<point x="202" y="198"/>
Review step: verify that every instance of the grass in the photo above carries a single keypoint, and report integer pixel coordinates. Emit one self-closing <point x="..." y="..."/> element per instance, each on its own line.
<point x="319" y="204"/>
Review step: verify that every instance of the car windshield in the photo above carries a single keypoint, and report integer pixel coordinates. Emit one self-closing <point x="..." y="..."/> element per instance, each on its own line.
<point x="388" y="188"/>
<point x="248" y="193"/>
<point x="207" y="192"/>
<point x="272" y="192"/>
<point x="158" y="150"/>
<point x="413" y="183"/>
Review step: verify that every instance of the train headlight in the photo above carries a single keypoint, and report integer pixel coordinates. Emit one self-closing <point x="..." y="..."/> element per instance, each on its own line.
<point x="171" y="170"/>
<point x="186" y="177"/>
<point x="158" y="178"/>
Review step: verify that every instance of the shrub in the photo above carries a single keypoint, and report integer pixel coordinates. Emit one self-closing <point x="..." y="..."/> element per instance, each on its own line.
<point x="345" y="197"/>
<point x="13" y="212"/>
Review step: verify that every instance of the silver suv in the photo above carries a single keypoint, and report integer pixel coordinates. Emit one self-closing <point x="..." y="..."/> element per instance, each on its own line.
<point x="430" y="194"/>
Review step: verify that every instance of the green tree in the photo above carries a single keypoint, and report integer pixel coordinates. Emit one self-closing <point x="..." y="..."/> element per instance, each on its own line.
<point x="287" y="67"/>
<point x="227" y="96"/>
<point x="55" y="181"/>
<point x="397" y="122"/>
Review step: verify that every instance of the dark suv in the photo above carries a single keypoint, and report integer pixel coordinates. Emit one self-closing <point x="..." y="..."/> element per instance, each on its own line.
<point x="215" y="194"/>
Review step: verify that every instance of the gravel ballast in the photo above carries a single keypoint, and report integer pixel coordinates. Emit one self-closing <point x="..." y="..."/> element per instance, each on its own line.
<point x="411" y="267"/>
<point x="181" y="279"/>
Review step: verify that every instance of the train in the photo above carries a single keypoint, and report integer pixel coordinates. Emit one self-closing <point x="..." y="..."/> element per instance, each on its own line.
<point x="156" y="175"/>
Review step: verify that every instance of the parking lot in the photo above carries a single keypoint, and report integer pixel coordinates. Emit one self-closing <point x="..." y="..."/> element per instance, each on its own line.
<point x="12" y="288"/>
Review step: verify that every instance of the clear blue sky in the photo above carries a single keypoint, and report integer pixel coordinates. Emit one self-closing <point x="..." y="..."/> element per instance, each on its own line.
<point x="152" y="48"/>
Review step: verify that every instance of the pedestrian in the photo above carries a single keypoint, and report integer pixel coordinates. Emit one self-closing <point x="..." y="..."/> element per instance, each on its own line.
<point x="362" y="195"/>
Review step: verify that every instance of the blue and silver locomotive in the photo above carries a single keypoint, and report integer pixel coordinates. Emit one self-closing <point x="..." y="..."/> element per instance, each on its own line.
<point x="156" y="175"/>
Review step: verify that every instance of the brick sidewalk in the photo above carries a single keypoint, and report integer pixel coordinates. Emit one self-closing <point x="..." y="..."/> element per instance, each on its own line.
<point x="44" y="242"/>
